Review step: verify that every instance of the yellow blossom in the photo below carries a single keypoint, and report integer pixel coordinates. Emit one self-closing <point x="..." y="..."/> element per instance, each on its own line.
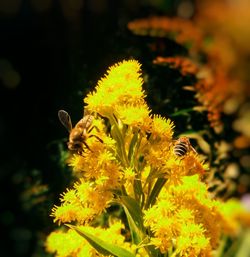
<point x="69" y="196"/>
<point x="76" y="161"/>
<point x="133" y="115"/>
<point x="104" y="157"/>
<point x="122" y="85"/>
<point x="162" y="128"/>
<point x="82" y="204"/>
<point x="66" y="213"/>
<point x="174" y="170"/>
<point x="179" y="205"/>
<point x="194" y="164"/>
<point x="192" y="240"/>
<point x="64" y="244"/>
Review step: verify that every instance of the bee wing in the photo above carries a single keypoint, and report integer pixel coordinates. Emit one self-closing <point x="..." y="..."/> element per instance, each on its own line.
<point x="65" y="119"/>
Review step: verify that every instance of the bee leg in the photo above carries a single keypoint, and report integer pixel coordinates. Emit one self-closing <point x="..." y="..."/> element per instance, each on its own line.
<point x="98" y="138"/>
<point x="87" y="146"/>
<point x="97" y="129"/>
<point x="191" y="147"/>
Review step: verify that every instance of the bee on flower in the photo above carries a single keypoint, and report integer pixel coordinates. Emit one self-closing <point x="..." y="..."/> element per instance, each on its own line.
<point x="80" y="133"/>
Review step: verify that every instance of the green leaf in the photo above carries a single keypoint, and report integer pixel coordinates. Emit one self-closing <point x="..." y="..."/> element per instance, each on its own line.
<point x="244" y="246"/>
<point x="117" y="135"/>
<point x="155" y="192"/>
<point x="138" y="188"/>
<point x="118" y="141"/>
<point x="101" y="246"/>
<point x="134" y="209"/>
<point x="132" y="146"/>
<point x="135" y="219"/>
<point x="134" y="231"/>
<point x="134" y="216"/>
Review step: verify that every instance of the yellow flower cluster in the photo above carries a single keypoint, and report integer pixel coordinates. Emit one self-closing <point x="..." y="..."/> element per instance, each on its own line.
<point x="183" y="219"/>
<point x="130" y="159"/>
<point x="120" y="92"/>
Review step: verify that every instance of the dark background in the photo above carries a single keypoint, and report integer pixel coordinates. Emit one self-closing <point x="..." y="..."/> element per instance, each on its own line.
<point x="51" y="55"/>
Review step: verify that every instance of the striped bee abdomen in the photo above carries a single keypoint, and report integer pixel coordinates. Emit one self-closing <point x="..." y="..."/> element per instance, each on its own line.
<point x="180" y="149"/>
<point x="182" y="146"/>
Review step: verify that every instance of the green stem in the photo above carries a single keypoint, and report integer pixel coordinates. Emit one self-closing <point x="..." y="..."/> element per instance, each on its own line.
<point x="124" y="192"/>
<point x="231" y="252"/>
<point x="155" y="192"/>
<point x="221" y="249"/>
<point x="173" y="254"/>
<point x="120" y="139"/>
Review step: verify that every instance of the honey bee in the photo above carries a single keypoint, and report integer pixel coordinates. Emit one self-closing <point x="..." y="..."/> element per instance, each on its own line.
<point x="182" y="146"/>
<point x="80" y="133"/>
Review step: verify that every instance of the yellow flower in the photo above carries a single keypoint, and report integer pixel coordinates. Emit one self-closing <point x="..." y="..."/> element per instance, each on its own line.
<point x="105" y="157"/>
<point x="64" y="244"/>
<point x="174" y="170"/>
<point x="93" y="165"/>
<point x="156" y="152"/>
<point x="84" y="202"/>
<point x="69" y="196"/>
<point x="76" y="161"/>
<point x="194" y="164"/>
<point x="184" y="217"/>
<point x="161" y="128"/>
<point x="191" y="240"/>
<point x="121" y="86"/>
<point x="134" y="115"/>
<point x="65" y="213"/>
